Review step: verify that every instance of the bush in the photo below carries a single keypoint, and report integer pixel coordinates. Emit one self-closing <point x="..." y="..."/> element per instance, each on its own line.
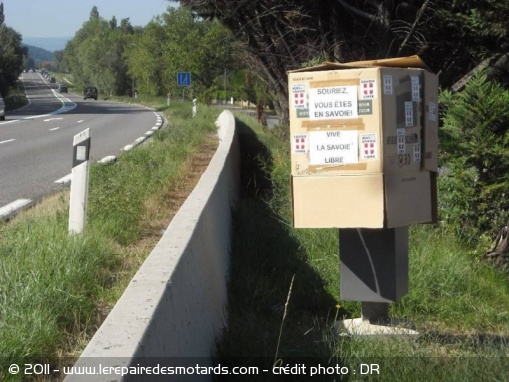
<point x="474" y="158"/>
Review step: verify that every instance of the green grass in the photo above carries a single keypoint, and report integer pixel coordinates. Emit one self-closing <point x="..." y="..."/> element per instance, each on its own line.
<point x="54" y="287"/>
<point x="48" y="280"/>
<point x="458" y="303"/>
<point x="16" y="97"/>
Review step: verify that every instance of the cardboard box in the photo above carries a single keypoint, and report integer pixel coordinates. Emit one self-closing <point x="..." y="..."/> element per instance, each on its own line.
<point x="364" y="140"/>
<point x="430" y="124"/>
<point x="363" y="118"/>
<point x="369" y="201"/>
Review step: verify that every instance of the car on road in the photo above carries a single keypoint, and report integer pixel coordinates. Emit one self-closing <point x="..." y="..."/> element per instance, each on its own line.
<point x="2" y="109"/>
<point x="90" y="92"/>
<point x="63" y="89"/>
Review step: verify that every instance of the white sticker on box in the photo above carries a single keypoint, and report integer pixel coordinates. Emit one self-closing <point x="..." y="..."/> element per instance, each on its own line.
<point x="409" y="114"/>
<point x="432" y="111"/>
<point x="416" y="88"/>
<point x="401" y="144"/>
<point x="300" y="144"/>
<point x="368" y="149"/>
<point x="368" y="89"/>
<point x="387" y="84"/>
<point x="299" y="96"/>
<point x="333" y="147"/>
<point x="333" y="102"/>
<point x="417" y="152"/>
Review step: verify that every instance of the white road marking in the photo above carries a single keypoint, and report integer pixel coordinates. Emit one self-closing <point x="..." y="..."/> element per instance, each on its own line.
<point x="64" y="180"/>
<point x="36" y="116"/>
<point x="127" y="147"/>
<point x="9" y="121"/>
<point x="55" y="128"/>
<point x="7" y="141"/>
<point x="52" y="119"/>
<point x="107" y="159"/>
<point x="81" y="120"/>
<point x="10" y="208"/>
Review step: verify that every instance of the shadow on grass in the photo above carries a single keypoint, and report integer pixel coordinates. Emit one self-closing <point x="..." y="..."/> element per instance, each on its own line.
<point x="265" y="258"/>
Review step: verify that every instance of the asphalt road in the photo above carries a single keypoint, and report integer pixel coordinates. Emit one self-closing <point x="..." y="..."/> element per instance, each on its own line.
<point x="36" y="141"/>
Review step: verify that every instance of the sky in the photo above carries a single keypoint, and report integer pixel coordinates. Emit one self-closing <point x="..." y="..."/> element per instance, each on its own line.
<point x="63" y="18"/>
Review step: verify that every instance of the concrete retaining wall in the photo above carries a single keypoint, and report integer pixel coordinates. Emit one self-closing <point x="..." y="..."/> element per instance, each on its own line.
<point x="174" y="307"/>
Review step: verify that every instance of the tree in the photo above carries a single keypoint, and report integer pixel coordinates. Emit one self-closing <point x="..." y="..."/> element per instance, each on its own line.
<point x="280" y="35"/>
<point x="58" y="57"/>
<point x="179" y="42"/>
<point x="95" y="55"/>
<point x="144" y="58"/>
<point x="11" y="54"/>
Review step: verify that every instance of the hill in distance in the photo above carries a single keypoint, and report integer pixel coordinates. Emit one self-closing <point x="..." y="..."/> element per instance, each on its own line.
<point x="38" y="54"/>
<point x="50" y="44"/>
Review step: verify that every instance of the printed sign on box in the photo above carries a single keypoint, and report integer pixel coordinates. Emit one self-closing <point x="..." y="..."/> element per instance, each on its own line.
<point x="333" y="102"/>
<point x="388" y="84"/>
<point x="416" y="95"/>
<point x="333" y="147"/>
<point x="409" y="114"/>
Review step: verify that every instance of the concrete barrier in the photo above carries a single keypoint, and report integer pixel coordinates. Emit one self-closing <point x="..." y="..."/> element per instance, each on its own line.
<point x="174" y="307"/>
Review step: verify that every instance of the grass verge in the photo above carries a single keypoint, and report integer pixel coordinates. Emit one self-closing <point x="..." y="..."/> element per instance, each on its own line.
<point x="460" y="305"/>
<point x="16" y="97"/>
<point x="55" y="288"/>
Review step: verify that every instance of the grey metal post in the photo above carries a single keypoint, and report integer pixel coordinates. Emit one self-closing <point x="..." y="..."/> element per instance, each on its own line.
<point x="374" y="271"/>
<point x="373" y="264"/>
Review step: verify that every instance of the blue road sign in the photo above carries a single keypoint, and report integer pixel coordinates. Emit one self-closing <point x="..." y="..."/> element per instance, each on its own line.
<point x="184" y="79"/>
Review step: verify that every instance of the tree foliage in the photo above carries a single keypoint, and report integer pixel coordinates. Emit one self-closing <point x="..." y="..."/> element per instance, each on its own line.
<point x="95" y="55"/>
<point x="117" y="57"/>
<point x="179" y="42"/>
<point x="451" y="36"/>
<point x="11" y="54"/>
<point x="475" y="155"/>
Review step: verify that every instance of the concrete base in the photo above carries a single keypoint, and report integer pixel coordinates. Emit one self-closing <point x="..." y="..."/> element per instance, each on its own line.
<point x="360" y="326"/>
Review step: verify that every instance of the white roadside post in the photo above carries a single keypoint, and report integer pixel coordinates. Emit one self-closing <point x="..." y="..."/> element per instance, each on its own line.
<point x="195" y="102"/>
<point x="79" y="182"/>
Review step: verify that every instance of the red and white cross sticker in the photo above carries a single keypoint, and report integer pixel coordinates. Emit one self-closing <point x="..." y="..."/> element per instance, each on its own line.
<point x="300" y="144"/>
<point x="299" y="96"/>
<point x="368" y="89"/>
<point x="368" y="150"/>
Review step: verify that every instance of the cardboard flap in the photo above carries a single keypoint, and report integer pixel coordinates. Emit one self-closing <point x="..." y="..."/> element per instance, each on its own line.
<point x="398" y="62"/>
<point x="327" y="65"/>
